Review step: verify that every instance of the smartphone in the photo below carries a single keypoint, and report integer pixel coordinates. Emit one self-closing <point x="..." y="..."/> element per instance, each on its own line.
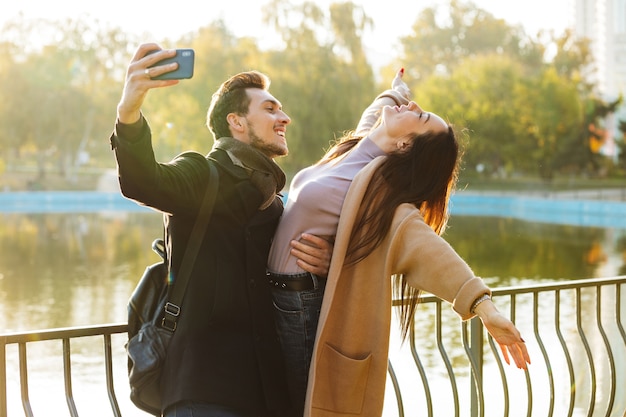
<point x="185" y="59"/>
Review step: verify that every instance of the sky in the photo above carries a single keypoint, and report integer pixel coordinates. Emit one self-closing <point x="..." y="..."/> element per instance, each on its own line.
<point x="169" y="19"/>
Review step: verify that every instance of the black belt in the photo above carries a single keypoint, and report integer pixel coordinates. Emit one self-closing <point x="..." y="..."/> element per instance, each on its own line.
<point x="300" y="282"/>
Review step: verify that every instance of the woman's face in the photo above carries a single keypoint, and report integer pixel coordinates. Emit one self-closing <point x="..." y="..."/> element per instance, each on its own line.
<point x="409" y="119"/>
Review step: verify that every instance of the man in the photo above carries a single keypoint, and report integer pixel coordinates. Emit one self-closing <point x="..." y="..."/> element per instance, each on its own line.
<point x="224" y="358"/>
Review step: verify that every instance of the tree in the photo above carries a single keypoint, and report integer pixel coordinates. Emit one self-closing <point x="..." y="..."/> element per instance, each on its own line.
<point x="323" y="82"/>
<point x="479" y="98"/>
<point x="519" y="96"/>
<point x="621" y="145"/>
<point x="440" y="41"/>
<point x="551" y="120"/>
<point x="522" y="105"/>
<point x="594" y="133"/>
<point x="59" y="90"/>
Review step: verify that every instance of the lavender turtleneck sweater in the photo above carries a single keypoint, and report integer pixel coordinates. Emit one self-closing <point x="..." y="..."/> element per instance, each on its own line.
<point x="314" y="202"/>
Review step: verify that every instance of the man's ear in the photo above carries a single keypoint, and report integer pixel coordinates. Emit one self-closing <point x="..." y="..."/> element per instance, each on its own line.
<point x="235" y="122"/>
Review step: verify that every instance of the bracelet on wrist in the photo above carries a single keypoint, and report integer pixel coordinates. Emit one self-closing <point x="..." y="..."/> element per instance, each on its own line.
<point x="479" y="300"/>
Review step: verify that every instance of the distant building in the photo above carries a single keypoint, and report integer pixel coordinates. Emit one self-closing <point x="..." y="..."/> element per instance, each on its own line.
<point x="604" y="23"/>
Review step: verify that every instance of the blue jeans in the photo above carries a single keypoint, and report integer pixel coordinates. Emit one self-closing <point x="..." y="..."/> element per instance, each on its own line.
<point x="195" y="409"/>
<point x="297" y="314"/>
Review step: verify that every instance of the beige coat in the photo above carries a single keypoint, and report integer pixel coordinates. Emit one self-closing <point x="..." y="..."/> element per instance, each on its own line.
<point x="349" y="365"/>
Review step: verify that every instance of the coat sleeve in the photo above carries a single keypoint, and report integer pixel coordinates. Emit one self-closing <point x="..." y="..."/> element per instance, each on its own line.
<point x="173" y="187"/>
<point x="430" y="264"/>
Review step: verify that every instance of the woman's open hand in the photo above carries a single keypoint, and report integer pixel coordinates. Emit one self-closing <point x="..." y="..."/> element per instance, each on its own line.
<point x="504" y="333"/>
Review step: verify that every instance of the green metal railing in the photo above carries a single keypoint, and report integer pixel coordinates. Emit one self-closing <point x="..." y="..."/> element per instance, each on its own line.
<point x="574" y="330"/>
<point x="65" y="336"/>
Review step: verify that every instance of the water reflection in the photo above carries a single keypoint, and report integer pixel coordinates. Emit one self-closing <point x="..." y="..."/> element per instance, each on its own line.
<point x="60" y="270"/>
<point x="509" y="252"/>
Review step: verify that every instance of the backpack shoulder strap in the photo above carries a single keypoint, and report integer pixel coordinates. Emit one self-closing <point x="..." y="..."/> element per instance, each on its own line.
<point x="178" y="288"/>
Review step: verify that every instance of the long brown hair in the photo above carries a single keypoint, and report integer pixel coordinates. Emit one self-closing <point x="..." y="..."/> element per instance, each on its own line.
<point x="424" y="176"/>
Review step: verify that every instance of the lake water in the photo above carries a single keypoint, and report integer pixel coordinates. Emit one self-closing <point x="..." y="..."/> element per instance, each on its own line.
<point x="77" y="266"/>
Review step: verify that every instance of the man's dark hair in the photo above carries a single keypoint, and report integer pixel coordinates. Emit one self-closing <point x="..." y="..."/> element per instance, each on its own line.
<point x="231" y="97"/>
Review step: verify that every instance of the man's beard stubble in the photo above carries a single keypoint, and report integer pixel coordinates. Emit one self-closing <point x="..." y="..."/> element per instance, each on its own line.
<point x="271" y="150"/>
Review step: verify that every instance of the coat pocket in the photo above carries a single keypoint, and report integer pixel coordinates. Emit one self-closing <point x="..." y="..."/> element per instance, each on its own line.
<point x="340" y="381"/>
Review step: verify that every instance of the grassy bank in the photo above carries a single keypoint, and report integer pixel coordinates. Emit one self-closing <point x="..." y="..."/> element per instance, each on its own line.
<point x="537" y="184"/>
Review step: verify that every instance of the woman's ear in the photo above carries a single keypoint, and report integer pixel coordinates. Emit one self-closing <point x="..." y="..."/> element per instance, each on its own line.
<point x="402" y="145"/>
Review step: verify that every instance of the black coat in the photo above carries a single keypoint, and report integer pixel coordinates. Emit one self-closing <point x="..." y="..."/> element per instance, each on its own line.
<point x="225" y="349"/>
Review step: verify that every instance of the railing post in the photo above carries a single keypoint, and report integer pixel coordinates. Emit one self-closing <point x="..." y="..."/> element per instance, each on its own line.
<point x="28" y="411"/>
<point x="108" y="363"/>
<point x="67" y="373"/>
<point x="476" y="349"/>
<point x="3" y="377"/>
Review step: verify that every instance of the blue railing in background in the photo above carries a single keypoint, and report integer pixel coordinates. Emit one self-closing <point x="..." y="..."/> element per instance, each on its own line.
<point x="568" y="209"/>
<point x="589" y="213"/>
<point x="65" y="202"/>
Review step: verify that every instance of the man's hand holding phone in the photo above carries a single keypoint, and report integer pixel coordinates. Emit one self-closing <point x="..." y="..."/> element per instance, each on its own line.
<point x="151" y="67"/>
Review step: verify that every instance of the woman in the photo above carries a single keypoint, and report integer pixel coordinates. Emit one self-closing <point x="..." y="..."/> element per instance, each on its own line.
<point x="400" y="177"/>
